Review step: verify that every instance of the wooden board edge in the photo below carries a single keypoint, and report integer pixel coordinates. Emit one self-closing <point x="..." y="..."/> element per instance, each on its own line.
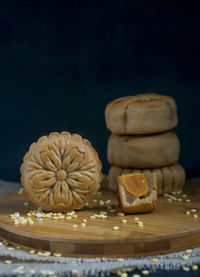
<point x="126" y="249"/>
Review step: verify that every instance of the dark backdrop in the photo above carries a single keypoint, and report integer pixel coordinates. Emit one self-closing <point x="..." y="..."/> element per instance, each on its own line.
<point x="61" y="62"/>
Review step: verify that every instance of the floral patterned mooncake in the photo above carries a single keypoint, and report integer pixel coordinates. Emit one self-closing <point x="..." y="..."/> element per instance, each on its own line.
<point x="61" y="172"/>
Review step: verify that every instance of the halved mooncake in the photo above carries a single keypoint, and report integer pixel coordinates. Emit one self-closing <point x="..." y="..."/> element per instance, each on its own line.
<point x="61" y="172"/>
<point x="137" y="192"/>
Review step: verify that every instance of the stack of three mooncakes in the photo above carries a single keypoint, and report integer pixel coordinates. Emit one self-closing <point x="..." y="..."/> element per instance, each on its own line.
<point x="142" y="140"/>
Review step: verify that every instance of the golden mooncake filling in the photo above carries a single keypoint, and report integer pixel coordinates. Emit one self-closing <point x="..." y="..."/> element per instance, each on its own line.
<point x="136" y="184"/>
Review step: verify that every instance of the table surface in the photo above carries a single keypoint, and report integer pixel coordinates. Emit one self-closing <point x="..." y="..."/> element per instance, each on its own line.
<point x="158" y="273"/>
<point x="168" y="229"/>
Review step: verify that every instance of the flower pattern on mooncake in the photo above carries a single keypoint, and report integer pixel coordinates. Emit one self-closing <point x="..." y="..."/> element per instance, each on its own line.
<point x="61" y="172"/>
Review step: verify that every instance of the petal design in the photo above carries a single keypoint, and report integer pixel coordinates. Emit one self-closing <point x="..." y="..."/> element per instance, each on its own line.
<point x="51" y="198"/>
<point x="62" y="146"/>
<point x="33" y="173"/>
<point x="38" y="160"/>
<point x="48" y="164"/>
<point x="77" y="198"/>
<point x="54" y="148"/>
<point x="79" y="176"/>
<point x="89" y="166"/>
<point x="65" y="189"/>
<point x="61" y="172"/>
<point x="56" y="161"/>
<point x="76" y="155"/>
<point x="73" y="167"/>
<point x="41" y="183"/>
<point x="34" y="165"/>
<point x="83" y="192"/>
<point x="72" y="183"/>
<point x="70" y="200"/>
<point x="66" y="162"/>
<point x="44" y="196"/>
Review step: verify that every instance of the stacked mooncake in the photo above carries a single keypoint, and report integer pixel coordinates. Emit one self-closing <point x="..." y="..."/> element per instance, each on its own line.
<point x="142" y="140"/>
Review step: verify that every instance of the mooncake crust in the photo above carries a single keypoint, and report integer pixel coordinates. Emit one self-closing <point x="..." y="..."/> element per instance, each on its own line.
<point x="139" y="114"/>
<point x="144" y="151"/>
<point x="61" y="172"/>
<point x="169" y="179"/>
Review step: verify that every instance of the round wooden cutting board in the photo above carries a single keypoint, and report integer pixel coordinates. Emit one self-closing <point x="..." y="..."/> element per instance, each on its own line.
<point x="167" y="229"/>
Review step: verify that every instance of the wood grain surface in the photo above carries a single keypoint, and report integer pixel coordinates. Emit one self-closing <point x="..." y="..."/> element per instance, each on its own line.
<point x="167" y="229"/>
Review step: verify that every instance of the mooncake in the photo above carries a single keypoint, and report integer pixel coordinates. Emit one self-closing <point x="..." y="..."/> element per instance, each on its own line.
<point x="144" y="151"/>
<point x="137" y="192"/>
<point x="139" y="114"/>
<point x="61" y="172"/>
<point x="169" y="178"/>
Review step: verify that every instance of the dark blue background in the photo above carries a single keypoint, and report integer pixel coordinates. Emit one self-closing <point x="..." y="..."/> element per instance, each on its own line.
<point x="62" y="62"/>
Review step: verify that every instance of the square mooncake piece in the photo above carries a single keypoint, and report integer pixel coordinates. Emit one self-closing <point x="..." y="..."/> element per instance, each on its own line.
<point x="137" y="192"/>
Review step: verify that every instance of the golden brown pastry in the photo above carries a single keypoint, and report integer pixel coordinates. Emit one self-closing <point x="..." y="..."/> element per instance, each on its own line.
<point x="139" y="114"/>
<point x="169" y="178"/>
<point x="61" y="172"/>
<point x="148" y="151"/>
<point x="137" y="192"/>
